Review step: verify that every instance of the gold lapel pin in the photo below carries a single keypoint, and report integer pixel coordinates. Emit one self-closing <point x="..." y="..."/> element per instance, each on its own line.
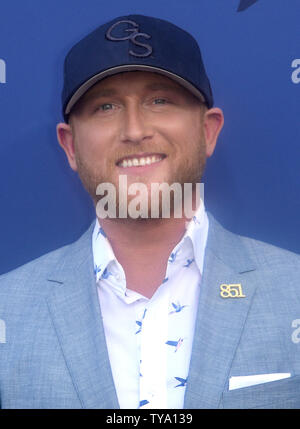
<point x="231" y="291"/>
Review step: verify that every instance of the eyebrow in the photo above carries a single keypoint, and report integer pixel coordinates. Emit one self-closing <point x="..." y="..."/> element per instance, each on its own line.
<point x="161" y="86"/>
<point x="111" y="91"/>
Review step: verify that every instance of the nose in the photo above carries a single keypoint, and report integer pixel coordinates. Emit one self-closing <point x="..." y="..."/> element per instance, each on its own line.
<point x="135" y="128"/>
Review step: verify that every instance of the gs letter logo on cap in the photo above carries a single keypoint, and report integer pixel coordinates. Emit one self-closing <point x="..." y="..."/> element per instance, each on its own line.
<point x="134" y="30"/>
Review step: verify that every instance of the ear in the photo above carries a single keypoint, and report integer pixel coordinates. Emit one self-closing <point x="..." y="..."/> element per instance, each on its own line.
<point x="65" y="138"/>
<point x="213" y="123"/>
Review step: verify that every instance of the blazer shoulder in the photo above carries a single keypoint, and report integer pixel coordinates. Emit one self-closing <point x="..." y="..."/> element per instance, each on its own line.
<point x="28" y="277"/>
<point x="240" y="248"/>
<point x="267" y="254"/>
<point x="22" y="279"/>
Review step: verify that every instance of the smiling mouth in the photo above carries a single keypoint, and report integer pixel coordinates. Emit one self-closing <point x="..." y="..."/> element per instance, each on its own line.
<point x="140" y="160"/>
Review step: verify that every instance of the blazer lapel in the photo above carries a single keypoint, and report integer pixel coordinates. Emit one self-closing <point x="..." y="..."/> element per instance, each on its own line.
<point x="76" y="316"/>
<point x="220" y="320"/>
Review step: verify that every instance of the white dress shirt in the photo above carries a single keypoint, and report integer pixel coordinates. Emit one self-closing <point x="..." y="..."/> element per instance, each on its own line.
<point x="149" y="341"/>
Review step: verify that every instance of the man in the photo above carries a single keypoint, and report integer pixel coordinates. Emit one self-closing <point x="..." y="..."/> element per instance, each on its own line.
<point x="148" y="311"/>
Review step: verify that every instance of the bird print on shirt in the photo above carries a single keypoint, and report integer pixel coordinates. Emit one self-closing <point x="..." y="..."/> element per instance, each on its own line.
<point x="172" y="257"/>
<point x="175" y="344"/>
<point x="196" y="221"/>
<point x="106" y="274"/>
<point x="177" y="307"/>
<point x="97" y="269"/>
<point x="101" y="231"/>
<point x="188" y="262"/>
<point x="182" y="381"/>
<point x="140" y="322"/>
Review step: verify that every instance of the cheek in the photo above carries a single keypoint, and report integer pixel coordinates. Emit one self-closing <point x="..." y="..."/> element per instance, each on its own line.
<point x="93" y="144"/>
<point x="186" y="138"/>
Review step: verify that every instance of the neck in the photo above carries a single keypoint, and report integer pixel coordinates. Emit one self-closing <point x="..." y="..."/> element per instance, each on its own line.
<point x="143" y="233"/>
<point x="143" y="247"/>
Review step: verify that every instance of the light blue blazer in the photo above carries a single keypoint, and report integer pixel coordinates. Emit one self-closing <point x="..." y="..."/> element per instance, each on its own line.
<point x="52" y="345"/>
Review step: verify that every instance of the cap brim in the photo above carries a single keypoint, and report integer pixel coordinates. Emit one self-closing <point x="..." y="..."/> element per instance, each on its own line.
<point x="130" y="67"/>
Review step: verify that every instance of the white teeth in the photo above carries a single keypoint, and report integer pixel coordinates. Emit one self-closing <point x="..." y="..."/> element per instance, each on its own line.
<point x="147" y="160"/>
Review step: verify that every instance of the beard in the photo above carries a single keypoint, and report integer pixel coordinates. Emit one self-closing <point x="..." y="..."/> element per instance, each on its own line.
<point x="189" y="170"/>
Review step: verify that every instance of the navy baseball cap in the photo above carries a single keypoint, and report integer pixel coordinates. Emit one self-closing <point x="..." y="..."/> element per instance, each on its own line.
<point x="132" y="43"/>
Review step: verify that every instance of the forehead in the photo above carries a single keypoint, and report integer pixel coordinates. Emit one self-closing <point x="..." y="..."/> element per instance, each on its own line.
<point x="133" y="81"/>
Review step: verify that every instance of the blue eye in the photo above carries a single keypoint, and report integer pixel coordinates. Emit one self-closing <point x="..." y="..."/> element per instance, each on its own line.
<point x="106" y="106"/>
<point x="160" y="101"/>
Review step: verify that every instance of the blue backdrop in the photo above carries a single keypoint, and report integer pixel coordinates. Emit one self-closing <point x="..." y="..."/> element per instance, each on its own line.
<point x="252" y="56"/>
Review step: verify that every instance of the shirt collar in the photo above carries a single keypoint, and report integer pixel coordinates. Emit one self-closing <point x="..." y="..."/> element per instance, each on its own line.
<point x="195" y="236"/>
<point x="102" y="251"/>
<point x="197" y="232"/>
